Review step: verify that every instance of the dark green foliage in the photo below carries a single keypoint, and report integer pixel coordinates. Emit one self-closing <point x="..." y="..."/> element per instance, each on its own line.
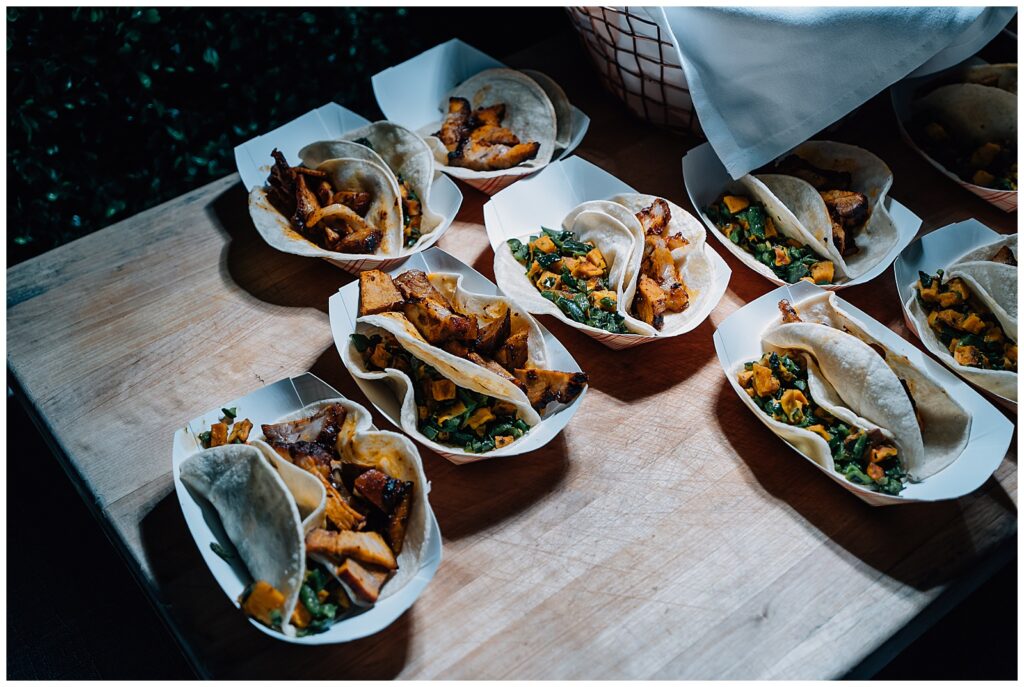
<point x="113" y="110"/>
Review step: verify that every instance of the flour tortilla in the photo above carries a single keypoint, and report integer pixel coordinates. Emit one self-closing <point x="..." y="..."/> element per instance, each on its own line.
<point x="358" y="174"/>
<point x="466" y="375"/>
<point x="529" y="114"/>
<point x="563" y="109"/>
<point x="258" y="513"/>
<point x="869" y="391"/>
<point x="692" y="262"/>
<point x="973" y="112"/>
<point x="394" y="147"/>
<point x="870" y="176"/>
<point x="995" y="285"/>
<point x="359" y="442"/>
<point x="590" y="221"/>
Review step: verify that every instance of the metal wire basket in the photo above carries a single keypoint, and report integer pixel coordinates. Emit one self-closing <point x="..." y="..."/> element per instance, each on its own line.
<point x="639" y="64"/>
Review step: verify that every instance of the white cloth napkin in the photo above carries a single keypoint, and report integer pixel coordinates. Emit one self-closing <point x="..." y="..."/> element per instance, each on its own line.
<point x="766" y="79"/>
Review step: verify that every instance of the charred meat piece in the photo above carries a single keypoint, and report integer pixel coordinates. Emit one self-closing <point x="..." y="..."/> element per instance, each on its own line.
<point x="378" y="293"/>
<point x="308" y="211"/>
<point x="650" y="301"/>
<point x="514" y="353"/>
<point x="315" y="460"/>
<point x="366" y="547"/>
<point x="397" y="522"/>
<point x="430" y="312"/>
<point x="349" y="235"/>
<point x="489" y="116"/>
<point x="491" y="335"/>
<point x="843" y="243"/>
<point x="381" y="490"/>
<point x="364" y="582"/>
<point x="492" y="366"/>
<point x="282" y="184"/>
<point x="357" y="201"/>
<point x="1005" y="256"/>
<point x="655" y="218"/>
<point x="545" y="386"/>
<point x="821" y="179"/>
<point x="321" y="428"/>
<point x="848" y="207"/>
<point x="483" y="157"/>
<point x="456" y="124"/>
<point x="789" y="313"/>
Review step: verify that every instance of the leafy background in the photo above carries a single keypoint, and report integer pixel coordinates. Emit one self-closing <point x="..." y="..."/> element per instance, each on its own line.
<point x="114" y="110"/>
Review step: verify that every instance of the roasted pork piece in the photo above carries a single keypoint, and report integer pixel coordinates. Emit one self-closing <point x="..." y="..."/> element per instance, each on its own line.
<point x="660" y="289"/>
<point x="364" y="581"/>
<point x="545" y="386"/>
<point x="476" y="140"/>
<point x="377" y="293"/>
<point x="301" y="194"/>
<point x="1005" y="256"/>
<point x="367" y="547"/>
<point x="321" y="428"/>
<point x="848" y="211"/>
<point x="430" y="312"/>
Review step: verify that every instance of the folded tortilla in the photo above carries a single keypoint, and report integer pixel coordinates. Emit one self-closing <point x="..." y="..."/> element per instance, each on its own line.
<point x="529" y="114"/>
<point x="885" y="388"/>
<point x="995" y="285"/>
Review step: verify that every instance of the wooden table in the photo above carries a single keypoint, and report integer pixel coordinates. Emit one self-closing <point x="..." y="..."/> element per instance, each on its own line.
<point x="665" y="533"/>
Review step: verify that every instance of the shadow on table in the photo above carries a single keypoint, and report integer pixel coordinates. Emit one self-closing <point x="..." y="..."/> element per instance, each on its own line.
<point x="265" y="273"/>
<point x="221" y="638"/>
<point x="899" y="541"/>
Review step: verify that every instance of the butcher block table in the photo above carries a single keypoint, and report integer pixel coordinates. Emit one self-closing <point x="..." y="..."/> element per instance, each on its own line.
<point x="666" y="533"/>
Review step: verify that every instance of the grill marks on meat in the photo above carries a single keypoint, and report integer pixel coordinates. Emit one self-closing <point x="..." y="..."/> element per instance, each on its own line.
<point x="789" y="313"/>
<point x="660" y="289"/>
<point x="393" y="498"/>
<point x="366" y="547"/>
<point x="301" y="194"/>
<point x="476" y="140"/>
<point x="430" y="312"/>
<point x="545" y="386"/>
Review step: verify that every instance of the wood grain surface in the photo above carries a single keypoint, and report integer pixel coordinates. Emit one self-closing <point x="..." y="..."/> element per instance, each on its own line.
<point x="665" y="534"/>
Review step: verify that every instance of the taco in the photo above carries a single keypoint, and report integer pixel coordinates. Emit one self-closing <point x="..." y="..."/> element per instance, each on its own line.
<point x="407" y="157"/>
<point x="329" y="515"/>
<point x="471" y="370"/>
<point x="766" y="235"/>
<point x="836" y="192"/>
<point x="967" y="316"/>
<point x="970" y="126"/>
<point x="847" y="402"/>
<point x="343" y="208"/>
<point x="497" y="122"/>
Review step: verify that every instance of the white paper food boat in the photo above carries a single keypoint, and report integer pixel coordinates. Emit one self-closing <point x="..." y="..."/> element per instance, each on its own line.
<point x="902" y="95"/>
<point x="547" y="197"/>
<point x="738" y="340"/>
<point x="344" y="309"/>
<point x="938" y="250"/>
<point x="325" y="123"/>
<point x="264" y="406"/>
<point x="705" y="178"/>
<point x="411" y="94"/>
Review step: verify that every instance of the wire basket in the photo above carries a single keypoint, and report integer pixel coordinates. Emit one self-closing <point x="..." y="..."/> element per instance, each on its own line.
<point x="639" y="64"/>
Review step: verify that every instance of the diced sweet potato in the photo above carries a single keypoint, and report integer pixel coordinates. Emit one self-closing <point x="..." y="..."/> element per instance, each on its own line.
<point x="377" y="293"/>
<point x="218" y="434"/>
<point x="736" y="204"/>
<point x="240" y="432"/>
<point x="261" y="600"/>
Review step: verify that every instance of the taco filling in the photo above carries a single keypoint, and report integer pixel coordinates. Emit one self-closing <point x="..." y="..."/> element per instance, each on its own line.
<point x="659" y="287"/>
<point x="475" y="139"/>
<point x="747" y="224"/>
<point x="573" y="275"/>
<point x="445" y="413"/>
<point x="848" y="210"/>
<point x="412" y="208"/>
<point x="965" y="325"/>
<point x="301" y="194"/>
<point x="778" y="385"/>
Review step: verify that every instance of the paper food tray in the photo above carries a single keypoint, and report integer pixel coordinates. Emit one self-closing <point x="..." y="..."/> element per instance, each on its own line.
<point x="264" y="406"/>
<point x="902" y="95"/>
<point x="325" y="123"/>
<point x="705" y="178"/>
<point x="738" y="340"/>
<point x="938" y="250"/>
<point x="411" y="94"/>
<point x="547" y="197"/>
<point x="344" y="309"/>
